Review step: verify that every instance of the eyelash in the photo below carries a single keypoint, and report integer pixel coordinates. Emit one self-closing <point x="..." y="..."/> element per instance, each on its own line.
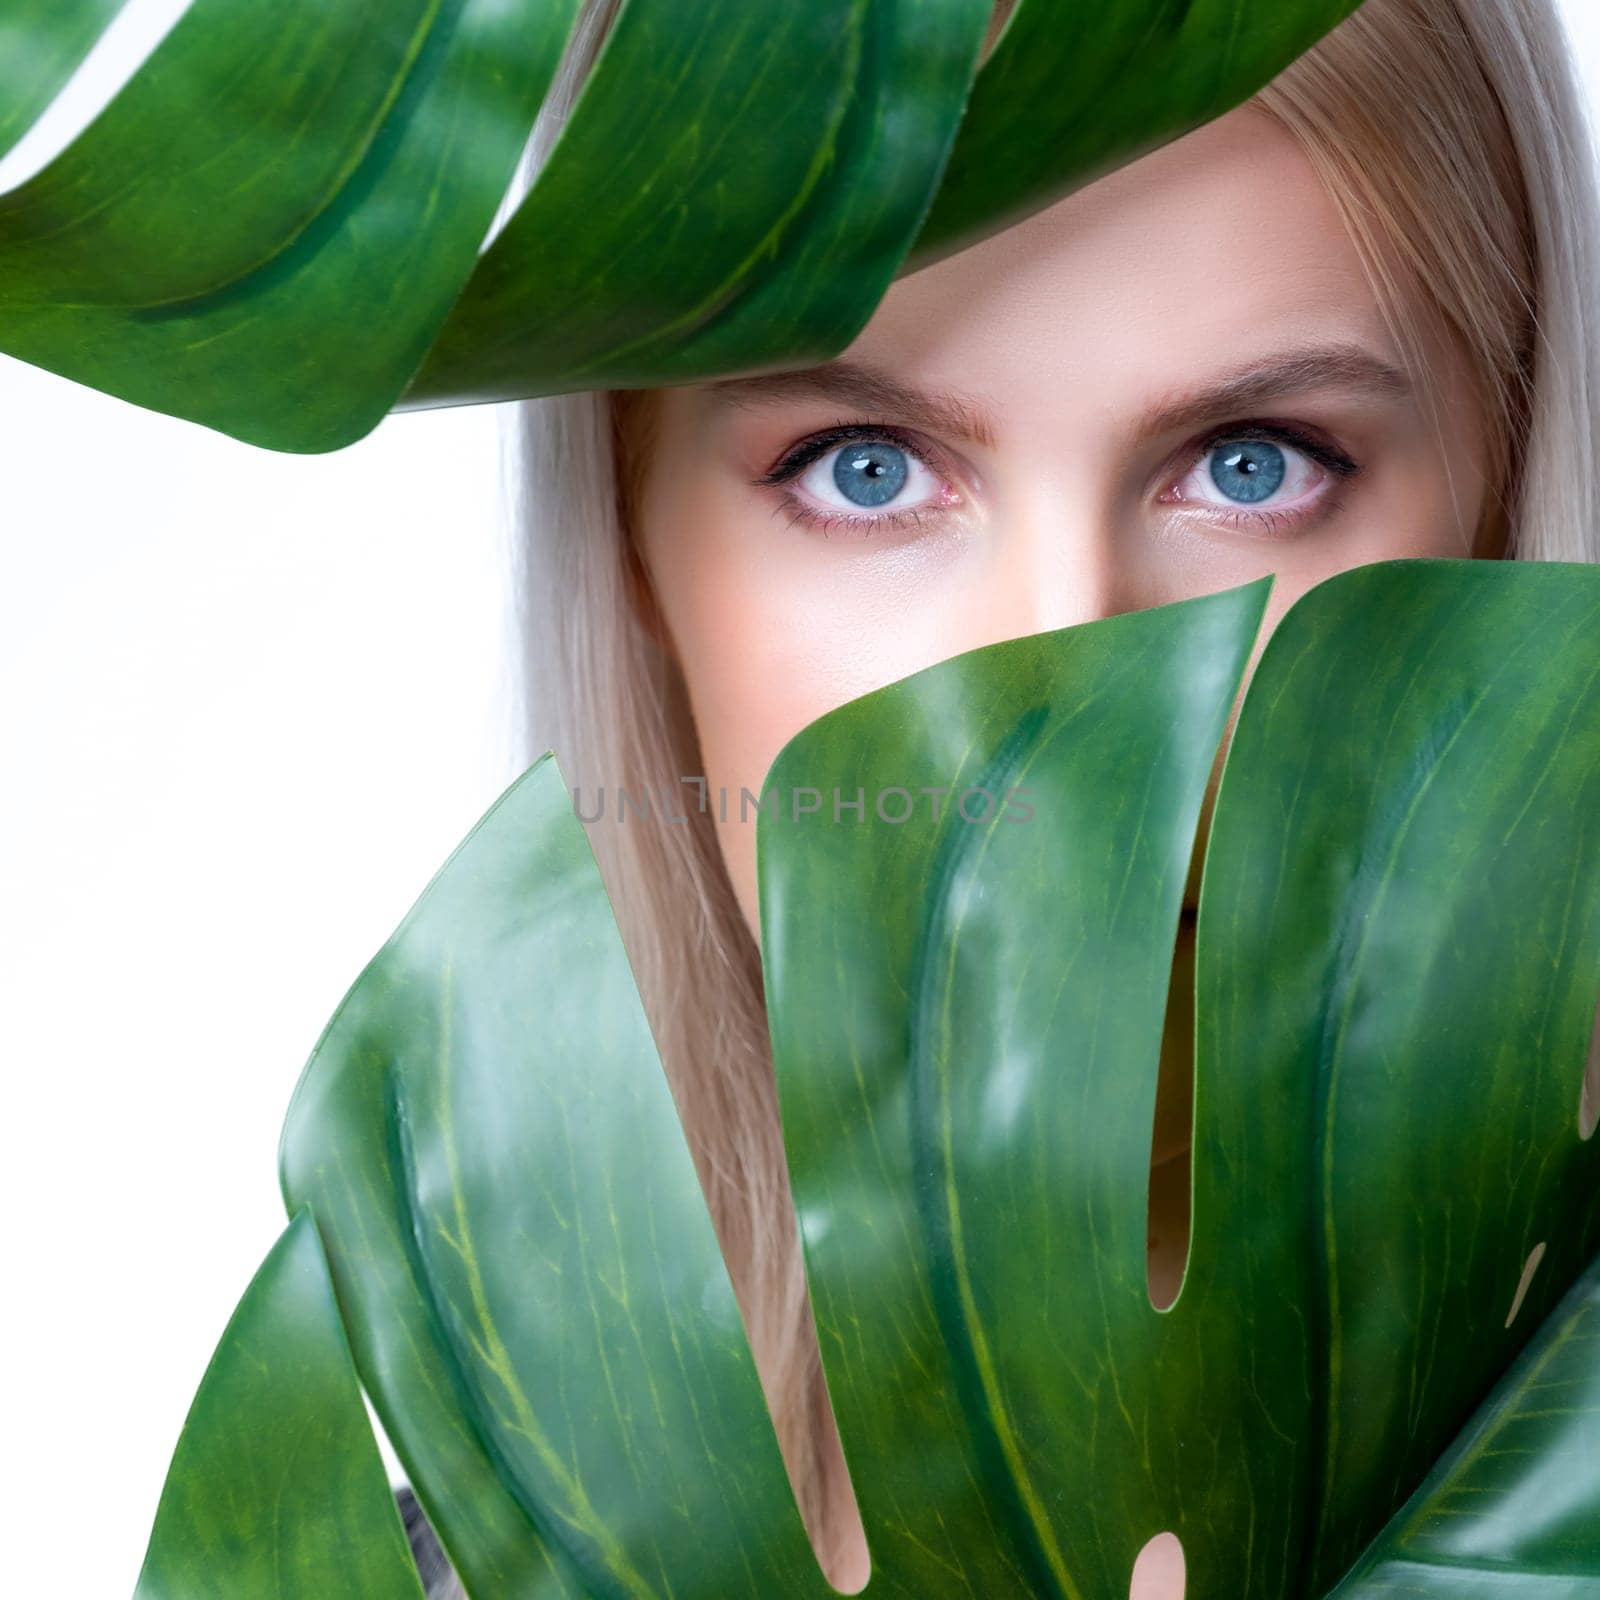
<point x="817" y="445"/>
<point x="800" y="456"/>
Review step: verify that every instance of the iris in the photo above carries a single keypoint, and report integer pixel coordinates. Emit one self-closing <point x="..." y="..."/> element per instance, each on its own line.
<point x="870" y="474"/>
<point x="1249" y="469"/>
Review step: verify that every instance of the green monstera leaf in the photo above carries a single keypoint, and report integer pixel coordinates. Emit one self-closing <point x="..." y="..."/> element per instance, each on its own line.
<point x="42" y="42"/>
<point x="734" y="190"/>
<point x="1398" y="952"/>
<point x="277" y="1490"/>
<point x="1396" y="965"/>
<point x="1511" y="1507"/>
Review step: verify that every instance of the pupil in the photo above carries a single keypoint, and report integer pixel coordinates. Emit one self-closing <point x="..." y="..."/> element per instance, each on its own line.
<point x="1249" y="470"/>
<point x="870" y="474"/>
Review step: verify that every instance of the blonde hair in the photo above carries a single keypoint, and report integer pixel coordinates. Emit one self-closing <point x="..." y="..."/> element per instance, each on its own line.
<point x="1452" y="136"/>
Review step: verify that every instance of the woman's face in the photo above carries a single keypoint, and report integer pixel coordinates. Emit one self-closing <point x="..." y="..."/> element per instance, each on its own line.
<point x="1169" y="383"/>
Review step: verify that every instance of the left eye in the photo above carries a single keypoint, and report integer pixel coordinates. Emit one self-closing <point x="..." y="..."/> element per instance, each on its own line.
<point x="1248" y="473"/>
<point x="869" y="475"/>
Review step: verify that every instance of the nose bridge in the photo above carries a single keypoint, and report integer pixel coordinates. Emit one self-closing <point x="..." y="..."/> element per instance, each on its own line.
<point x="1057" y="563"/>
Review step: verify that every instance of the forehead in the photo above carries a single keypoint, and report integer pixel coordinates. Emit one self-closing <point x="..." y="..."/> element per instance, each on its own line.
<point x="1218" y="247"/>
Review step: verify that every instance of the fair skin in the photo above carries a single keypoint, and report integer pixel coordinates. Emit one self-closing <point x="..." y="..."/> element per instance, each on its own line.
<point x="1058" y="493"/>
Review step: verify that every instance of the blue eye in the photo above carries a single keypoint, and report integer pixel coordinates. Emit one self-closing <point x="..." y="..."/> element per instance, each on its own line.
<point x="1248" y="470"/>
<point x="870" y="474"/>
<point x="859" y="477"/>
<point x="1267" y="474"/>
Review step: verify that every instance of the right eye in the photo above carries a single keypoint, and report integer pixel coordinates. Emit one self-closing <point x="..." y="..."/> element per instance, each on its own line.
<point x="858" y="478"/>
<point x="866" y="475"/>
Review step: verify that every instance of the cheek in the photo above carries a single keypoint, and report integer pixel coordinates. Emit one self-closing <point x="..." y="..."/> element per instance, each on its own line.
<point x="1418" y="505"/>
<point x="773" y="627"/>
<point x="759" y="662"/>
<point x="763" y="654"/>
<point x="1420" y="497"/>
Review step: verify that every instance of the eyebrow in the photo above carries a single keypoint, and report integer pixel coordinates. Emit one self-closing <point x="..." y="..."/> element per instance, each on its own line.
<point x="1343" y="366"/>
<point x="861" y="385"/>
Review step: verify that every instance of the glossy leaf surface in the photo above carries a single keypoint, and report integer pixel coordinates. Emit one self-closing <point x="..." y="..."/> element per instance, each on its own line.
<point x="42" y="43"/>
<point x="1513" y="1507"/>
<point x="347" y="157"/>
<point x="1071" y="92"/>
<point x="535" y="1291"/>
<point x="1396" y="964"/>
<point x="276" y="1490"/>
<point x="737" y="185"/>
<point x="1395" y="975"/>
<point x="737" y="182"/>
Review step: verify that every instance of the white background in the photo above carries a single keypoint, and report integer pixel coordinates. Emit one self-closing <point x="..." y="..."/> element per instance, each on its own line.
<point x="248" y="703"/>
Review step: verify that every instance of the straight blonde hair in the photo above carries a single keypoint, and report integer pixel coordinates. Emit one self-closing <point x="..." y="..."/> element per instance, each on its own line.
<point x="1452" y="137"/>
